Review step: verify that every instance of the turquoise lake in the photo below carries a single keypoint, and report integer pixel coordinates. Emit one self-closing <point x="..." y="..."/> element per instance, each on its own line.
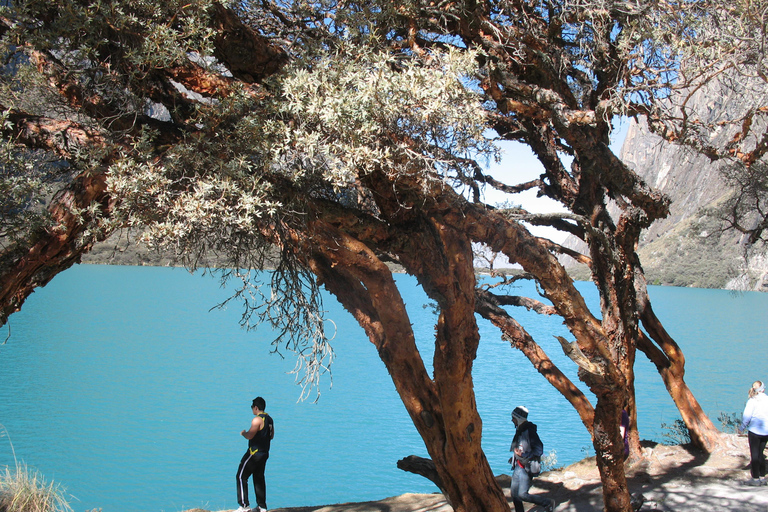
<point x="123" y="385"/>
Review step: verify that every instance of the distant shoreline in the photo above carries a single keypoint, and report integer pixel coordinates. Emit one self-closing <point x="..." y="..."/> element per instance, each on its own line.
<point x="128" y="252"/>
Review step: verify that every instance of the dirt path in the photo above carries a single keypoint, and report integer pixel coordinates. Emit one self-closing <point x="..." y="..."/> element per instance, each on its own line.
<point x="670" y="478"/>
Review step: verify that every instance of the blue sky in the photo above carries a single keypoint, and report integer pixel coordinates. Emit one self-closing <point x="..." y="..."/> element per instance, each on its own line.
<point x="518" y="165"/>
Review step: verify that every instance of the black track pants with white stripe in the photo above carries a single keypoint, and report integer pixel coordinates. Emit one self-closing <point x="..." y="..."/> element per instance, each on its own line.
<point x="252" y="465"/>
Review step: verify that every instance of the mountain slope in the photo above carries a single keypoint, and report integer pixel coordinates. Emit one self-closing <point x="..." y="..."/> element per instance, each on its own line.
<point x="687" y="248"/>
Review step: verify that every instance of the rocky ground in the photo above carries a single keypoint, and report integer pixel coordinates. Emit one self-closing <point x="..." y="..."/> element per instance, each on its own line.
<point x="669" y="478"/>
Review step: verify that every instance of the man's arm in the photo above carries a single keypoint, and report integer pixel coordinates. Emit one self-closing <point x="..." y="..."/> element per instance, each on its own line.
<point x="256" y="425"/>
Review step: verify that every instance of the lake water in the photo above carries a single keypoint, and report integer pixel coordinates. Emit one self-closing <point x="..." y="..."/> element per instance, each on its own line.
<point x="124" y="386"/>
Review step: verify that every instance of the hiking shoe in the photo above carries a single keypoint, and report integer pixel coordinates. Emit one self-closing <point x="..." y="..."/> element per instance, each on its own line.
<point x="754" y="482"/>
<point x="243" y="509"/>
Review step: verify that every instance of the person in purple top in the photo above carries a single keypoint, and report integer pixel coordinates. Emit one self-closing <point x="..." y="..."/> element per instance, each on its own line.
<point x="624" y="429"/>
<point x="755" y="421"/>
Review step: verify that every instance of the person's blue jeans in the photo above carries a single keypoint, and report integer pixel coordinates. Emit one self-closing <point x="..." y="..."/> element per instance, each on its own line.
<point x="521" y="482"/>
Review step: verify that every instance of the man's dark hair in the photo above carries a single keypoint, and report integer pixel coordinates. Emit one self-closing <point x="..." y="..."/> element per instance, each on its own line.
<point x="260" y="403"/>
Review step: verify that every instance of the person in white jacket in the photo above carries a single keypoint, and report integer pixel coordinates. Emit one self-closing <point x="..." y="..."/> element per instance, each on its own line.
<point x="755" y="420"/>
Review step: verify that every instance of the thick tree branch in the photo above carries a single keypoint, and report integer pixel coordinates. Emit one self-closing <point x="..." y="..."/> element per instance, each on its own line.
<point x="62" y="137"/>
<point x="489" y="308"/>
<point x="249" y="56"/>
<point x="55" y="249"/>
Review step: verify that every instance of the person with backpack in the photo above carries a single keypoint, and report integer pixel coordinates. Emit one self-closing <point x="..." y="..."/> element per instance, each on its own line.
<point x="254" y="462"/>
<point x="526" y="462"/>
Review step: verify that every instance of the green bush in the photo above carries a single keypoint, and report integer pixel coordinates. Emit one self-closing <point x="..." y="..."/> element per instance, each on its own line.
<point x="675" y="434"/>
<point x="729" y="423"/>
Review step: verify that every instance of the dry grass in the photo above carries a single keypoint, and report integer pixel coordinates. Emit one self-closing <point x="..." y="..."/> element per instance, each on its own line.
<point x="25" y="490"/>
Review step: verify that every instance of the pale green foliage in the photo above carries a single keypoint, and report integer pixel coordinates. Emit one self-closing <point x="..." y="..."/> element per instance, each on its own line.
<point x="350" y="114"/>
<point x="729" y="423"/>
<point x="676" y="433"/>
<point x="335" y="123"/>
<point x="716" y="34"/>
<point x="94" y="37"/>
<point x="347" y="107"/>
<point x="549" y="462"/>
<point x="159" y="32"/>
<point x="213" y="201"/>
<point x="684" y="45"/>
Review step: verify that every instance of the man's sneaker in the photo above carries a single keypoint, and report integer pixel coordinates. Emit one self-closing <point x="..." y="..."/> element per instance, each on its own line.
<point x="243" y="509"/>
<point x="551" y="506"/>
<point x="755" y="482"/>
<point x="259" y="509"/>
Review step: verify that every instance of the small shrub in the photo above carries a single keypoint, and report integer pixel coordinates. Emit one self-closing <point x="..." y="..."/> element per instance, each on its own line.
<point x="25" y="490"/>
<point x="676" y="433"/>
<point x="729" y="423"/>
<point x="549" y="461"/>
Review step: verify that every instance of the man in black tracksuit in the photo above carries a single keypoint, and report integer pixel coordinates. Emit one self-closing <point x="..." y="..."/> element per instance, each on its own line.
<point x="527" y="447"/>
<point x="254" y="461"/>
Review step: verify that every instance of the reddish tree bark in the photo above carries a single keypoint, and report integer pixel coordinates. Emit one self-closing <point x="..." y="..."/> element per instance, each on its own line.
<point x="414" y="216"/>
<point x="444" y="409"/>
<point x="57" y="248"/>
<point x="670" y="363"/>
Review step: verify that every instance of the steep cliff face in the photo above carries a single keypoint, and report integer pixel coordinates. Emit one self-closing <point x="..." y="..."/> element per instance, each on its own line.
<point x="688" y="248"/>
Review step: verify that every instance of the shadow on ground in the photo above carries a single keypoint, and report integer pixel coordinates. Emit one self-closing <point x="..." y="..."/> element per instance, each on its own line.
<point x="670" y="478"/>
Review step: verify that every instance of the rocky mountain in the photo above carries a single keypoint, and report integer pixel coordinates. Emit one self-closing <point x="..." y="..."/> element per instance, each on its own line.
<point x="688" y="248"/>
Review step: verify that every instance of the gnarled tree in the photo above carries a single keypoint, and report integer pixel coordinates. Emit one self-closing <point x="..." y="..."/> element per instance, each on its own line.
<point x="335" y="138"/>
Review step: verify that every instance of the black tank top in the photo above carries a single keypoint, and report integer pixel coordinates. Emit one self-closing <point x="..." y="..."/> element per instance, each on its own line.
<point x="261" y="441"/>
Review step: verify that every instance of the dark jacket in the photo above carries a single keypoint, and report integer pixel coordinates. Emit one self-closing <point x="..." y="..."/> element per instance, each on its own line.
<point x="528" y="440"/>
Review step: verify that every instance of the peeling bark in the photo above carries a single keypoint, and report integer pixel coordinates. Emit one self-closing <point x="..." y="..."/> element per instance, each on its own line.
<point x="55" y="249"/>
<point x="414" y="214"/>
<point x="444" y="409"/>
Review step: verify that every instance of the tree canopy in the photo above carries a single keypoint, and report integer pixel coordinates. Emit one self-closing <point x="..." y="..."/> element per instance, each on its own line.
<point x="330" y="140"/>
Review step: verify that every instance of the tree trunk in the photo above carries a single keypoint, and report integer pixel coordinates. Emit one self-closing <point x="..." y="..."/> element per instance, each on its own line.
<point x="444" y="410"/>
<point x="704" y="434"/>
<point x="670" y="363"/>
<point x="609" y="450"/>
<point x="602" y="348"/>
